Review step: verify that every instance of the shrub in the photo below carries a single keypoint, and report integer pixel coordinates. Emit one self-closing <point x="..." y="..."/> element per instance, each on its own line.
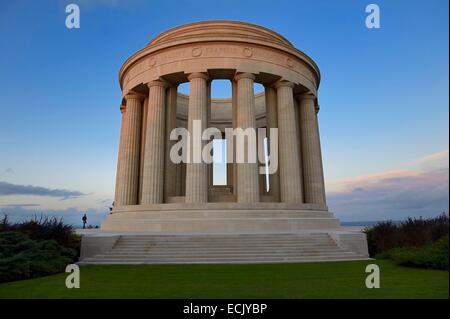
<point x="4" y="223"/>
<point x="22" y="257"/>
<point x="37" y="247"/>
<point x="381" y="237"/>
<point x="435" y="255"/>
<point x="412" y="232"/>
<point x="439" y="226"/>
<point x="45" y="228"/>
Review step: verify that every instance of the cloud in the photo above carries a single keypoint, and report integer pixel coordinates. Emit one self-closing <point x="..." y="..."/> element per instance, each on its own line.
<point x="437" y="159"/>
<point x="15" y="189"/>
<point x="107" y="201"/>
<point x="20" y="205"/>
<point x="395" y="194"/>
<point x="8" y="171"/>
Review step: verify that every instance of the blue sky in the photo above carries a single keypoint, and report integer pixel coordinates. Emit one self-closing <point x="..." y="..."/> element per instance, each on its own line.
<point x="384" y="98"/>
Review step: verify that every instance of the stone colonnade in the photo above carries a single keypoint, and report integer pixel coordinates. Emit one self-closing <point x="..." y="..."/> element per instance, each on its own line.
<point x="148" y="120"/>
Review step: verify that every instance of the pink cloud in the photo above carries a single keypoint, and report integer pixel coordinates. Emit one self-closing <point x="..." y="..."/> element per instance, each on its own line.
<point x="394" y="194"/>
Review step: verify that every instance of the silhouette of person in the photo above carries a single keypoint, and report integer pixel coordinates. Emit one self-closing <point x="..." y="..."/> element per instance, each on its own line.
<point x="84" y="219"/>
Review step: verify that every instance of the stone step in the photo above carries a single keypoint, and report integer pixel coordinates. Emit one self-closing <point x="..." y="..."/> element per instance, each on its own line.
<point x="224" y="257"/>
<point x="226" y="242"/>
<point x="226" y="260"/>
<point x="217" y="213"/>
<point x="232" y="248"/>
<point x="206" y="252"/>
<point x="212" y="253"/>
<point x="223" y="239"/>
<point x="227" y="237"/>
<point x="217" y="245"/>
<point x="181" y="238"/>
<point x="228" y="246"/>
<point x="223" y="248"/>
<point x="208" y="235"/>
<point x="229" y="255"/>
<point x="226" y="249"/>
<point x="219" y="255"/>
<point x="256" y="238"/>
<point x="220" y="249"/>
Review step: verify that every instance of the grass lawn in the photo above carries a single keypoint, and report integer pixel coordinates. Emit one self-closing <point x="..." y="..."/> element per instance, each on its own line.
<point x="311" y="280"/>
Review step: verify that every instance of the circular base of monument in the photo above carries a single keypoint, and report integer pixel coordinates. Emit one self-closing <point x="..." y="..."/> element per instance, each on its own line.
<point x="220" y="218"/>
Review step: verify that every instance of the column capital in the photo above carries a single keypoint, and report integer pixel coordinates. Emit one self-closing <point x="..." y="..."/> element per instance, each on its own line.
<point x="307" y="96"/>
<point x="244" y="75"/>
<point x="134" y="96"/>
<point x="197" y="75"/>
<point x="269" y="85"/>
<point x="161" y="83"/>
<point x="280" y="84"/>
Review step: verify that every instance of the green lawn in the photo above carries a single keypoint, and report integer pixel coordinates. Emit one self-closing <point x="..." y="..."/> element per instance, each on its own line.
<point x="312" y="280"/>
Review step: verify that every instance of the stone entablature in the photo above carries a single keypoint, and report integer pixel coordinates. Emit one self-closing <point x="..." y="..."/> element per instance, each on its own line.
<point x="217" y="46"/>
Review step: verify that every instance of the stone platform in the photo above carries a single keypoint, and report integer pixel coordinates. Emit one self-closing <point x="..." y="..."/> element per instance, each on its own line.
<point x="220" y="218"/>
<point x="221" y="233"/>
<point x="180" y="233"/>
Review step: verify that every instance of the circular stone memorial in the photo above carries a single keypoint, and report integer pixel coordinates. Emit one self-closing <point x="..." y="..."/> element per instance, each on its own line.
<point x="156" y="194"/>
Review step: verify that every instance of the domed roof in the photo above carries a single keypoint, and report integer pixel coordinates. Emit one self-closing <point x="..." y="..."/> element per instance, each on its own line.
<point x="219" y="30"/>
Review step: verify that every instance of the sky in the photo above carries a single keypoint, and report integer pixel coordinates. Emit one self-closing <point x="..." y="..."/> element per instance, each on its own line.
<point x="383" y="95"/>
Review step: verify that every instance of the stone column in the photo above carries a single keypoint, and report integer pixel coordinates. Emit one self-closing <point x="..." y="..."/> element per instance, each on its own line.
<point x="312" y="155"/>
<point x="299" y="146"/>
<point x="289" y="164"/>
<point x="230" y="173"/>
<point x="153" y="175"/>
<point x="247" y="173"/>
<point x="119" y="157"/>
<point x="272" y="122"/>
<point x="127" y="191"/>
<point x="141" y="159"/>
<point x="183" y="179"/>
<point x="170" y="168"/>
<point x="208" y="124"/>
<point x="231" y="148"/>
<point x="178" y="179"/>
<point x="261" y="177"/>
<point x="197" y="173"/>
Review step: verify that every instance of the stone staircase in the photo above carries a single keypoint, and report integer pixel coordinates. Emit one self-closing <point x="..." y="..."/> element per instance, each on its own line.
<point x="223" y="248"/>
